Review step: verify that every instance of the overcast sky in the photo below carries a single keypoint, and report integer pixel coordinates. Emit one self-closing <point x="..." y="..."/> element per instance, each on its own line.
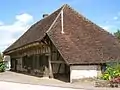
<point x="16" y="16"/>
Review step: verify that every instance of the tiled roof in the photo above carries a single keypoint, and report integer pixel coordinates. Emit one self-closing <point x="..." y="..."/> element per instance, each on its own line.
<point x="82" y="42"/>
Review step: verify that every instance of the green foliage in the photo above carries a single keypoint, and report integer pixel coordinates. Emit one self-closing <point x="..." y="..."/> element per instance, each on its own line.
<point x="112" y="71"/>
<point x="2" y="67"/>
<point x="117" y="34"/>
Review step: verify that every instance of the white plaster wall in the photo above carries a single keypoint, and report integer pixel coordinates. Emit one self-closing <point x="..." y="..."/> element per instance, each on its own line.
<point x="7" y="62"/>
<point x="83" y="71"/>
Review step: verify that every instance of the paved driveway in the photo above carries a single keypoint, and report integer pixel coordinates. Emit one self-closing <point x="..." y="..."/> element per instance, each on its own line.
<point x="11" y="78"/>
<point x="18" y="86"/>
<point x="26" y="79"/>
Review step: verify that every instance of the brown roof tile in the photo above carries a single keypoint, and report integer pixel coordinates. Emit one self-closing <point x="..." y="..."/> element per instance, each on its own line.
<point x="83" y="42"/>
<point x="35" y="33"/>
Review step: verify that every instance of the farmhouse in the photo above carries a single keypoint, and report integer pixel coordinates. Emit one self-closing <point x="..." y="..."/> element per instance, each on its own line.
<point x="64" y="43"/>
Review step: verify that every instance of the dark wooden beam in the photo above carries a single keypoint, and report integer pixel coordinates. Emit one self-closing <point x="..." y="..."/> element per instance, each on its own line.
<point x="59" y="68"/>
<point x="57" y="62"/>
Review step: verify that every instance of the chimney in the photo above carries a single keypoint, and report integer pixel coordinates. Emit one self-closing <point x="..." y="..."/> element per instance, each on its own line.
<point x="45" y="15"/>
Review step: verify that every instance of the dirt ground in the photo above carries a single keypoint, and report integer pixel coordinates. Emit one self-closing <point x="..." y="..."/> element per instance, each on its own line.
<point x="27" y="79"/>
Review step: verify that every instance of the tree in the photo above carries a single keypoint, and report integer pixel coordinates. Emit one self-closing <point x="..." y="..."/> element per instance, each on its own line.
<point x="117" y="34"/>
<point x="1" y="57"/>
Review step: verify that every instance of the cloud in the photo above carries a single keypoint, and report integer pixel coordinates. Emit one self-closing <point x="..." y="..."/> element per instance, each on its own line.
<point x="112" y="25"/>
<point x="110" y="28"/>
<point x="22" y="22"/>
<point x="24" y="18"/>
<point x="105" y="27"/>
<point x="1" y="23"/>
<point x="9" y="33"/>
<point x="115" y="18"/>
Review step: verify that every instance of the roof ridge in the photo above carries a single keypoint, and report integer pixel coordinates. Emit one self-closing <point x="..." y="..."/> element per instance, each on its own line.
<point x="53" y="21"/>
<point x="56" y="18"/>
<point x="83" y="17"/>
<point x="62" y="7"/>
<point x="80" y="15"/>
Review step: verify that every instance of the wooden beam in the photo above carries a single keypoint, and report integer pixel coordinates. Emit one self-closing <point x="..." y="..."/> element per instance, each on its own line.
<point x="57" y="62"/>
<point x="35" y="44"/>
<point x="59" y="68"/>
<point x="50" y="64"/>
<point x="50" y="67"/>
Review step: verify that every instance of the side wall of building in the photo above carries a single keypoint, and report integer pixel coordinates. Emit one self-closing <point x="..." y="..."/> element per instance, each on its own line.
<point x="7" y="62"/>
<point x="84" y="71"/>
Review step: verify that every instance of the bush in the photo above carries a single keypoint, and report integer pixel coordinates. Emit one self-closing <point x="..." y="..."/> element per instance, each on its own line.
<point x="2" y="67"/>
<point x="112" y="71"/>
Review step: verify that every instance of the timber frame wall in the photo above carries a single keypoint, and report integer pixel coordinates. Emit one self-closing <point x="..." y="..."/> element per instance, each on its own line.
<point x="54" y="65"/>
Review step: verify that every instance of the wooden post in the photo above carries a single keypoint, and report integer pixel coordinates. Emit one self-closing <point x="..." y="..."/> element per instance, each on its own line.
<point x="49" y="61"/>
<point x="50" y="67"/>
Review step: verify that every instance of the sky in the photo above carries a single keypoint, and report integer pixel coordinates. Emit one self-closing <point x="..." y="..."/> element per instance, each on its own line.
<point x="16" y="16"/>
